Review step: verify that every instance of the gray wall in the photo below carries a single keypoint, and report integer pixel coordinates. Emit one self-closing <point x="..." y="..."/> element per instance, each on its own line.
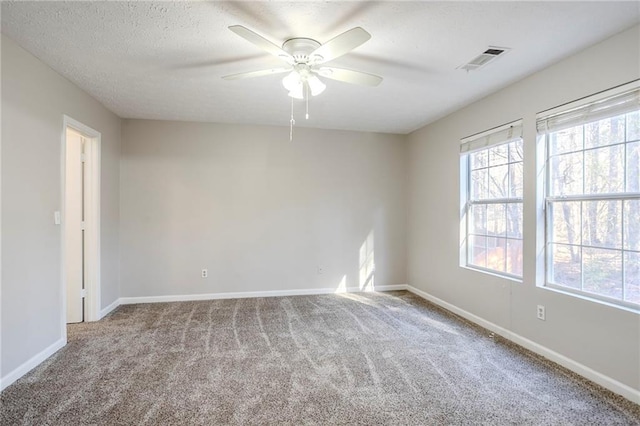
<point x="603" y="338"/>
<point x="34" y="99"/>
<point x="260" y="212"/>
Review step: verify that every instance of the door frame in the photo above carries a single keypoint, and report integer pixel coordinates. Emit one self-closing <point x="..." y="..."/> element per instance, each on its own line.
<point x="92" y="221"/>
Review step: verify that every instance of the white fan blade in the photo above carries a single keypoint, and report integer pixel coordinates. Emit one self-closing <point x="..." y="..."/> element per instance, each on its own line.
<point x="252" y="74"/>
<point x="339" y="45"/>
<point x="261" y="42"/>
<point x="350" y="76"/>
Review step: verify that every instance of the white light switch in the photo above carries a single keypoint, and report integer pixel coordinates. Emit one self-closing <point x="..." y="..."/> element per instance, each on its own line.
<point x="56" y="218"/>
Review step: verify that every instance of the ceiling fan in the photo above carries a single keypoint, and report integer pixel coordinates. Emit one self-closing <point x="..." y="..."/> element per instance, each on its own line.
<point x="305" y="60"/>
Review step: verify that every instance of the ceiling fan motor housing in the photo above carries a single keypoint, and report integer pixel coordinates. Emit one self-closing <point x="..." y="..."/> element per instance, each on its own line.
<point x="300" y="48"/>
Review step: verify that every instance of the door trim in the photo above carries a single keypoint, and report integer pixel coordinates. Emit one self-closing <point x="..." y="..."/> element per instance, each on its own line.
<point x="92" y="220"/>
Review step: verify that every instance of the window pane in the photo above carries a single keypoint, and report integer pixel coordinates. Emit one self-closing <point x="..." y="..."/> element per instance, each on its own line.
<point x="495" y="174"/>
<point x="566" y="174"/>
<point x="565" y="265"/>
<point x="632" y="277"/>
<point x="515" y="180"/>
<point x="477" y="251"/>
<point x="479" y="182"/>
<point x="498" y="182"/>
<point x="604" y="132"/>
<point x="593" y="213"/>
<point x="633" y="126"/>
<point x="478" y="222"/>
<point x="565" y="222"/>
<point x="498" y="155"/>
<point x="604" y="170"/>
<point x="632" y="225"/>
<point x="496" y="249"/>
<point x="514" y="220"/>
<point x="516" y="151"/>
<point x="479" y="159"/>
<point x="602" y="272"/>
<point x="566" y="140"/>
<point x="496" y="218"/>
<point x="633" y="167"/>
<point x="602" y="223"/>
<point x="514" y="257"/>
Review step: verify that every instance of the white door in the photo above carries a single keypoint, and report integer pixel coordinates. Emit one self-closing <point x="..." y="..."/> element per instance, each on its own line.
<point x="73" y="226"/>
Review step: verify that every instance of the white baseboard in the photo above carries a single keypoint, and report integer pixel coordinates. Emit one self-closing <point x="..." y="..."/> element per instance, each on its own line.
<point x="249" y="294"/>
<point x="108" y="309"/>
<point x="593" y="375"/>
<point x="390" y="287"/>
<point x="31" y="363"/>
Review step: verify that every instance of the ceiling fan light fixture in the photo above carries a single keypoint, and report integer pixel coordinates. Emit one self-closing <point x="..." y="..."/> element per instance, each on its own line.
<point x="291" y="81"/>
<point x="295" y="82"/>
<point x="315" y="85"/>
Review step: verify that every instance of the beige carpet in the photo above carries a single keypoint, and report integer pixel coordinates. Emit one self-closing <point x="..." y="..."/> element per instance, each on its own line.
<point x="370" y="358"/>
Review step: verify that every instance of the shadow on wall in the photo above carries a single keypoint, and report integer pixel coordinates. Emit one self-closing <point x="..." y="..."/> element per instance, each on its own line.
<point x="366" y="267"/>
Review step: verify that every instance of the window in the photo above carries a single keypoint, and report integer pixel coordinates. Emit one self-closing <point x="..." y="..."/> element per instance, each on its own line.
<point x="492" y="170"/>
<point x="592" y="199"/>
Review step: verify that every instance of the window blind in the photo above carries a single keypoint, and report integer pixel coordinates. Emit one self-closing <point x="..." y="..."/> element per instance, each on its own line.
<point x="496" y="136"/>
<point x="590" y="110"/>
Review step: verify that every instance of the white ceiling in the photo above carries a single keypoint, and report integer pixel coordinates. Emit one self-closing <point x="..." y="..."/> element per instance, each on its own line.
<point x="163" y="60"/>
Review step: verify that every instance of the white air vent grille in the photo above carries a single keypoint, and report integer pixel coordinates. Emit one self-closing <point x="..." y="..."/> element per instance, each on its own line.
<point x="484" y="58"/>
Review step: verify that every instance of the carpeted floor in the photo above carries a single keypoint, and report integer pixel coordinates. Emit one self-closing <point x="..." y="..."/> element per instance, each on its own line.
<point x="368" y="358"/>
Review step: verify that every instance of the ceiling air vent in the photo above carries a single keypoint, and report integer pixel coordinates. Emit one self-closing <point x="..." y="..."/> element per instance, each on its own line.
<point x="484" y="58"/>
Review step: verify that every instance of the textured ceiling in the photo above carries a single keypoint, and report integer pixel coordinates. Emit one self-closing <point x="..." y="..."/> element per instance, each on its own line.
<point x="163" y="60"/>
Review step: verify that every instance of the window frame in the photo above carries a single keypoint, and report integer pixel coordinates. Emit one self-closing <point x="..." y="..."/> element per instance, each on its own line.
<point x="549" y="200"/>
<point x="467" y="202"/>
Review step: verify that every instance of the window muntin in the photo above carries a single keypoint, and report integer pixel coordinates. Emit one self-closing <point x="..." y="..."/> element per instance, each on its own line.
<point x="593" y="207"/>
<point x="494" y="209"/>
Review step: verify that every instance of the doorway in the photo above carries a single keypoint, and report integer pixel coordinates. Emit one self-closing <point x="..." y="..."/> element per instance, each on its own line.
<point x="80" y="222"/>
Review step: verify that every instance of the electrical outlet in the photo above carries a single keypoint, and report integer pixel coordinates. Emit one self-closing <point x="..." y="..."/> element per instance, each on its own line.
<point x="541" y="313"/>
<point x="205" y="273"/>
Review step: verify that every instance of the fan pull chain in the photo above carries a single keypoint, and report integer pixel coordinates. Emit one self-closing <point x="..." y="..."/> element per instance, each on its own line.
<point x="292" y="122"/>
<point x="307" y="99"/>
